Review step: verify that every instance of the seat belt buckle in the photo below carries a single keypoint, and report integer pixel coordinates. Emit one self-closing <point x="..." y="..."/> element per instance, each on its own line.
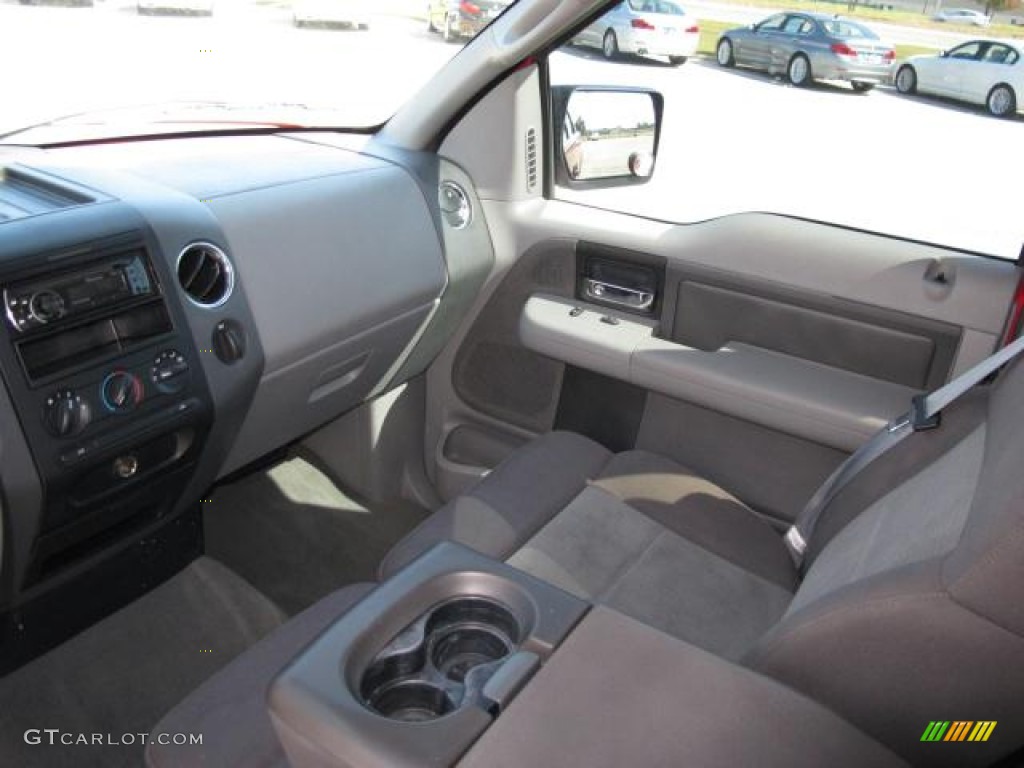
<point x="919" y="419"/>
<point x="796" y="545"/>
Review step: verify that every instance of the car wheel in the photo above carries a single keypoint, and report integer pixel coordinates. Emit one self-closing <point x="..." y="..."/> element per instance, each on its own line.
<point x="724" y="53"/>
<point x="610" y="45"/>
<point x="906" y="79"/>
<point x="799" y="70"/>
<point x="1001" y="101"/>
<point x="862" y="87"/>
<point x="677" y="61"/>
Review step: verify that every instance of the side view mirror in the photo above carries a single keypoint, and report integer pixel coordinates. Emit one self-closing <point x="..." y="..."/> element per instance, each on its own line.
<point x="605" y="137"/>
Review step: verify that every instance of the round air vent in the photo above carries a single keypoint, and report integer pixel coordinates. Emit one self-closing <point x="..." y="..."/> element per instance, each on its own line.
<point x="455" y="205"/>
<point x="205" y="274"/>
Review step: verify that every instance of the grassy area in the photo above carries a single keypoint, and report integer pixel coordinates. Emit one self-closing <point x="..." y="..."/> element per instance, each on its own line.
<point x="903" y="51"/>
<point x="710" y="31"/>
<point x="903" y="17"/>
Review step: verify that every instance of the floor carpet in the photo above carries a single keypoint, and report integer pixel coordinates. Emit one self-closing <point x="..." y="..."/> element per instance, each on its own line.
<point x="296" y="537"/>
<point x="118" y="678"/>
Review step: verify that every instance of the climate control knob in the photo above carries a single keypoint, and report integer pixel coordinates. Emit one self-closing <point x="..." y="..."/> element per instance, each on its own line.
<point x="169" y="372"/>
<point x="65" y="413"/>
<point x="121" y="391"/>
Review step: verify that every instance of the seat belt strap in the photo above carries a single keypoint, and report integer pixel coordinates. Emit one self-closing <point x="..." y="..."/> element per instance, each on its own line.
<point x="925" y="413"/>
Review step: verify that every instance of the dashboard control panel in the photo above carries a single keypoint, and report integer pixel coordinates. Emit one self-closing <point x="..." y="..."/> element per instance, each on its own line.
<point x="116" y="414"/>
<point x="105" y="377"/>
<point x="112" y="395"/>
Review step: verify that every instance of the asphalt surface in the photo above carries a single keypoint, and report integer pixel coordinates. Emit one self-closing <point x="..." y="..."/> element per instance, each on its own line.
<point x="731" y="140"/>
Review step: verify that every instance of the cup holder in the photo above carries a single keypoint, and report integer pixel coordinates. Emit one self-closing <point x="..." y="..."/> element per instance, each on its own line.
<point x="458" y="650"/>
<point x="411" y="701"/>
<point x="422" y="674"/>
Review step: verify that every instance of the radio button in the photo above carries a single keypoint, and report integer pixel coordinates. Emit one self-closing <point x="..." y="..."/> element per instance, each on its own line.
<point x="46" y="306"/>
<point x="121" y="391"/>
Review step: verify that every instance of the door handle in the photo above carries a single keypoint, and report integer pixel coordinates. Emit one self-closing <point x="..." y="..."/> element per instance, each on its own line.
<point x="618" y="295"/>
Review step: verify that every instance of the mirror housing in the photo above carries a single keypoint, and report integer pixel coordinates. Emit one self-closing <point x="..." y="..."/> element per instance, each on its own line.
<point x="604" y="136"/>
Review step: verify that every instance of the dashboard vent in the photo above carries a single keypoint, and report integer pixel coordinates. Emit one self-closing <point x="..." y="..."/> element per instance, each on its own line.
<point x="28" y="193"/>
<point x="205" y="274"/>
<point x="455" y="205"/>
<point x="531" y="159"/>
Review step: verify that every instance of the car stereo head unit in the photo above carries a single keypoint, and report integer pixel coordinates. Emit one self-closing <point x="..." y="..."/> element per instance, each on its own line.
<point x="34" y="303"/>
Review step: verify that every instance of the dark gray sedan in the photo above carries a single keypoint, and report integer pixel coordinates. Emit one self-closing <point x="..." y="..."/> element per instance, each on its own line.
<point x="810" y="46"/>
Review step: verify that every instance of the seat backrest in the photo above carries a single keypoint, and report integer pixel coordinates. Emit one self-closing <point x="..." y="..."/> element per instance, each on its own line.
<point x="911" y="609"/>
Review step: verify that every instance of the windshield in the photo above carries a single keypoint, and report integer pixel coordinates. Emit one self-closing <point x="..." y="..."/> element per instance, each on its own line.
<point x="195" y="63"/>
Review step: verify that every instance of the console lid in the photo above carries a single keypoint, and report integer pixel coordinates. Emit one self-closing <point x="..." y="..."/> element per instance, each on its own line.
<point x="618" y="692"/>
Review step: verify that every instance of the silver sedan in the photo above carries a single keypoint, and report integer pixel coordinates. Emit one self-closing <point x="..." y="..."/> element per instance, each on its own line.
<point x="810" y="46"/>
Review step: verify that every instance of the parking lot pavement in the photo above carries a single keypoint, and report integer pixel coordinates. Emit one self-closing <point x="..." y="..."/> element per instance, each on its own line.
<point x="732" y="140"/>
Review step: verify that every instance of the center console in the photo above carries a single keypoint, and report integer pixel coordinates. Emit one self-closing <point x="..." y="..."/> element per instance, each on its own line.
<point x="459" y="659"/>
<point x="418" y="670"/>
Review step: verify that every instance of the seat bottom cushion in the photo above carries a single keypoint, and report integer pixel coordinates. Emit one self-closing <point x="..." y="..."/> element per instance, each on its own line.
<point x="603" y="550"/>
<point x="635" y="531"/>
<point x="230" y="710"/>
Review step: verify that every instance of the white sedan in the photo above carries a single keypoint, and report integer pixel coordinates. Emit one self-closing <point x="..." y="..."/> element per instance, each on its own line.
<point x="644" y="28"/>
<point x="963" y="16"/>
<point x="988" y="72"/>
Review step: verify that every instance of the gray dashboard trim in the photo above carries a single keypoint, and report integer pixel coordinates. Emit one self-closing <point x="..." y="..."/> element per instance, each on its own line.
<point x="331" y="257"/>
<point x="469" y="259"/>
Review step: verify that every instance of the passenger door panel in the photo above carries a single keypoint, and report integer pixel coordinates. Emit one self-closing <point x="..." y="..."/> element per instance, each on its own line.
<point x="776" y="347"/>
<point x="915" y="352"/>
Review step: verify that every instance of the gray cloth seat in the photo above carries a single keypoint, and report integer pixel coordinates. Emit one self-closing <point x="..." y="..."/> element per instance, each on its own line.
<point x="229" y="709"/>
<point x="908" y="606"/>
<point x="614" y="529"/>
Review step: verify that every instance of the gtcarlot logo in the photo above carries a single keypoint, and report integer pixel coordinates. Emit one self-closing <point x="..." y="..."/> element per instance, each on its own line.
<point x="55" y="736"/>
